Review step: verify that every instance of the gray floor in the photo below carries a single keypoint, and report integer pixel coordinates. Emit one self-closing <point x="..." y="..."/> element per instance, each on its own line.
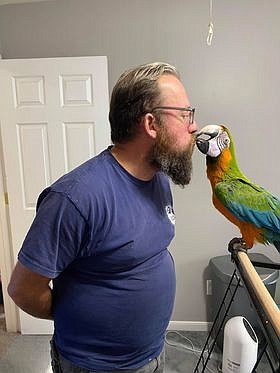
<point x="30" y="354"/>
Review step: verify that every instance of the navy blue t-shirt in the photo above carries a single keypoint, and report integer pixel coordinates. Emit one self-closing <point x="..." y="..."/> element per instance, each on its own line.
<point x="102" y="236"/>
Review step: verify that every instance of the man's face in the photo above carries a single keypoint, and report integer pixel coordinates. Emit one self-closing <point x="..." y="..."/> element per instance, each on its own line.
<point x="174" y="144"/>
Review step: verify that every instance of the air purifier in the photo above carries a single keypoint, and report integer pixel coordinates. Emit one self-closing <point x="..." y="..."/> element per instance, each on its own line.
<point x="240" y="346"/>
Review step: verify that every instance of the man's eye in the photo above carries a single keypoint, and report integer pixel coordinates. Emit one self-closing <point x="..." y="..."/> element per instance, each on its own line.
<point x="185" y="116"/>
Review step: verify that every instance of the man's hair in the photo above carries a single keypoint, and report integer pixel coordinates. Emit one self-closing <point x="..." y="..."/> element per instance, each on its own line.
<point x="135" y="94"/>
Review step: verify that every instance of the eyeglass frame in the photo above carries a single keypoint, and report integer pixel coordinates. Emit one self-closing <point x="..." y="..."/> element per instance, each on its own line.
<point x="189" y="109"/>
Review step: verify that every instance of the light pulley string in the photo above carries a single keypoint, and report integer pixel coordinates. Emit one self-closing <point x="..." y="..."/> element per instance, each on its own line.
<point x="211" y="24"/>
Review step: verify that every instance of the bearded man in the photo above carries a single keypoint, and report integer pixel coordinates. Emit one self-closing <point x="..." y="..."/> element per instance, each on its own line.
<point x="102" y="231"/>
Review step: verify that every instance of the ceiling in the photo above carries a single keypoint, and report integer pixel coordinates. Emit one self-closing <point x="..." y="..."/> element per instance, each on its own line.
<point x="4" y="2"/>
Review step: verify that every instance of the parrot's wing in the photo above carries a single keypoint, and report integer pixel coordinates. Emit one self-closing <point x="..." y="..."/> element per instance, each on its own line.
<point x="249" y="202"/>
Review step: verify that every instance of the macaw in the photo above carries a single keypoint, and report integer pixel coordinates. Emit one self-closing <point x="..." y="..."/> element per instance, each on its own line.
<point x="255" y="211"/>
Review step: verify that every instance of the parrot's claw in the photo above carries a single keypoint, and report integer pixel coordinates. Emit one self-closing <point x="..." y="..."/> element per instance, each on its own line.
<point x="237" y="244"/>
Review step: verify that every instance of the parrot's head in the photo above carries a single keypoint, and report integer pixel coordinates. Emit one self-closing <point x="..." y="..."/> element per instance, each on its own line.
<point x="211" y="140"/>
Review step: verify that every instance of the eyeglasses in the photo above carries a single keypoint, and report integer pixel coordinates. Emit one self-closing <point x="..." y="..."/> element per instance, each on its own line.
<point x="189" y="111"/>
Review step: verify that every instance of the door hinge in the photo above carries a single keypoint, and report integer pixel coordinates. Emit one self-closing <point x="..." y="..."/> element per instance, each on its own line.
<point x="6" y="198"/>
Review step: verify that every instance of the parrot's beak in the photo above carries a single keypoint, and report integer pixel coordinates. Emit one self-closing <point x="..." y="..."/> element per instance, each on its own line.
<point x="202" y="144"/>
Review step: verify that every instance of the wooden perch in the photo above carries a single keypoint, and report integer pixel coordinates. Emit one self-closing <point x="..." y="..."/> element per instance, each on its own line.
<point x="261" y="292"/>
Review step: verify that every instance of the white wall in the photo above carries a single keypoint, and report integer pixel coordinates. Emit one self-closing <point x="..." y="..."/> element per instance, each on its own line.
<point x="235" y="81"/>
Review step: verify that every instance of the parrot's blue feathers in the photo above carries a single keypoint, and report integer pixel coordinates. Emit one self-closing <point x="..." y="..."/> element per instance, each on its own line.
<point x="250" y="203"/>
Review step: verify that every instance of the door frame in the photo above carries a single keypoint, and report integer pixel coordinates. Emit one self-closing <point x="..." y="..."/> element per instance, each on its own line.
<point x="6" y="262"/>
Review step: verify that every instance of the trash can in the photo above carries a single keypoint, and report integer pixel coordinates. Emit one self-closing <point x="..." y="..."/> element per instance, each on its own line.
<point x="222" y="269"/>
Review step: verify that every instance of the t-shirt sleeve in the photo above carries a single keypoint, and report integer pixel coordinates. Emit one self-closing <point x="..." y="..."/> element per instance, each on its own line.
<point x="56" y="237"/>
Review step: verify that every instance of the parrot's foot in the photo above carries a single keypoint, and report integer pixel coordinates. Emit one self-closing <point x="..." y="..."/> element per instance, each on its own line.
<point x="237" y="244"/>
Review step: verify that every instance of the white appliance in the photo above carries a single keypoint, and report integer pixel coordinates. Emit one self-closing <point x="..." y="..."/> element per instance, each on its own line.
<point x="240" y="347"/>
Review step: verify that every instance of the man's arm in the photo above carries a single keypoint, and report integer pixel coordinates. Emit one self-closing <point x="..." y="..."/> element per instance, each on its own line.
<point x="31" y="292"/>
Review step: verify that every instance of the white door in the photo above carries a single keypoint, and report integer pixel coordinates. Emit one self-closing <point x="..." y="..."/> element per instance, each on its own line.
<point x="53" y="116"/>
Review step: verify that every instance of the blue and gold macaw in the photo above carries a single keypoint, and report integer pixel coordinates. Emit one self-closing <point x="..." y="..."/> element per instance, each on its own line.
<point x="255" y="211"/>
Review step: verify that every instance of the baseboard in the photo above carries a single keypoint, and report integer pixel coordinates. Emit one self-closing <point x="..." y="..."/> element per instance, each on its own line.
<point x="197" y="326"/>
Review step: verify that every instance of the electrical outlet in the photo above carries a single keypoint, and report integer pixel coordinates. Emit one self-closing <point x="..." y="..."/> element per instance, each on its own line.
<point x="208" y="287"/>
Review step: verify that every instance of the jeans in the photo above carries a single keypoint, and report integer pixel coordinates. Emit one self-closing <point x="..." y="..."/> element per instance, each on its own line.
<point x="61" y="365"/>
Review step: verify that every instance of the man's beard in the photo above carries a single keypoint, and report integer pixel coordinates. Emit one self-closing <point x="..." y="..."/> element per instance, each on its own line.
<point x="177" y="164"/>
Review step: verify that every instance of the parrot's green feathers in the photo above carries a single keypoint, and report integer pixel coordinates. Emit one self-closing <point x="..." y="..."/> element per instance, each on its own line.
<point x="250" y="202"/>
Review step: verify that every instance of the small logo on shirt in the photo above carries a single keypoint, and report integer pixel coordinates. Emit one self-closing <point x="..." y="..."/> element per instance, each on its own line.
<point x="170" y="214"/>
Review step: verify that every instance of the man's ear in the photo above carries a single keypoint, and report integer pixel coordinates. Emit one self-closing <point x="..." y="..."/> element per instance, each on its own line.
<point x="150" y="126"/>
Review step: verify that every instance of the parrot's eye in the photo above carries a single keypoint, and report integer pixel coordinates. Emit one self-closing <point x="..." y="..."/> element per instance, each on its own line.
<point x="223" y="141"/>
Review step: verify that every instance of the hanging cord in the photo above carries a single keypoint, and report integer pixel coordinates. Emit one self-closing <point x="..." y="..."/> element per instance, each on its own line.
<point x="211" y="24"/>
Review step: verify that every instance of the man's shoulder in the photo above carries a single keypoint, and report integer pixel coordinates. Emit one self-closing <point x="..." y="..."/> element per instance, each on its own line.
<point x="88" y="175"/>
<point x="83" y="182"/>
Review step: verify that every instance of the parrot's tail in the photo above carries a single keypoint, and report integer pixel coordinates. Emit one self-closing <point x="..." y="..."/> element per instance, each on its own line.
<point x="277" y="245"/>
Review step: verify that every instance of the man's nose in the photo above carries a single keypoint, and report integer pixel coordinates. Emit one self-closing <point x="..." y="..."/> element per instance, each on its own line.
<point x="193" y="127"/>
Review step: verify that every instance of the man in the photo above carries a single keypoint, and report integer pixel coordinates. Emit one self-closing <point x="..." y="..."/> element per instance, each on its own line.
<point x="101" y="234"/>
